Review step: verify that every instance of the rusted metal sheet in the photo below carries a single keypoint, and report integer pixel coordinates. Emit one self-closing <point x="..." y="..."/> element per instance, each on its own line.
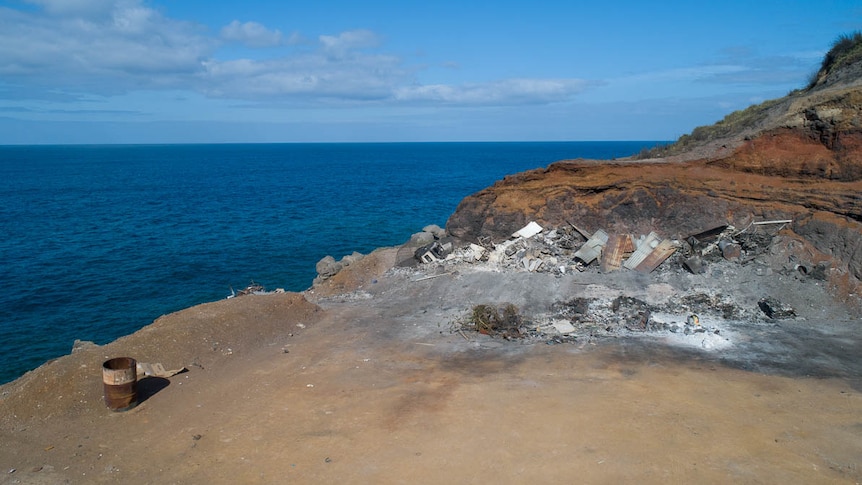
<point x="657" y="256"/>
<point x="644" y="249"/>
<point x="615" y="250"/>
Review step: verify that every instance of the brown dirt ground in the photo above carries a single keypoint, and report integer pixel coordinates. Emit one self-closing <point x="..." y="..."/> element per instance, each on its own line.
<point x="374" y="388"/>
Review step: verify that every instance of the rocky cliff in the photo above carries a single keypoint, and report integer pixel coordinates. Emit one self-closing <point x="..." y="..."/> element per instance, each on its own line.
<point x="796" y="158"/>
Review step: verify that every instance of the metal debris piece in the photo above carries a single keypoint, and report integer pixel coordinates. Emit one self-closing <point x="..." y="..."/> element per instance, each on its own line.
<point x="436" y="251"/>
<point x="156" y="370"/>
<point x="592" y="249"/>
<point x="644" y="248"/>
<point x="656" y="257"/>
<point x="615" y="250"/>
<point x="694" y="265"/>
<point x="529" y="230"/>
<point x="700" y="238"/>
<point x="730" y="250"/>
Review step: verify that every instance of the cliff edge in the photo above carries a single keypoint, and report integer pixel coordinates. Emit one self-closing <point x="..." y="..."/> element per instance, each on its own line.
<point x="796" y="158"/>
<point x="391" y="373"/>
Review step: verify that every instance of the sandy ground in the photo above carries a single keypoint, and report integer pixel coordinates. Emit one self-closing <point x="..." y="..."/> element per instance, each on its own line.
<point x="361" y="381"/>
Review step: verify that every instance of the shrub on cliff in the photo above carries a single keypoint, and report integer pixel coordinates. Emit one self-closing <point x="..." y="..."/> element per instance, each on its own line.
<point x="846" y="50"/>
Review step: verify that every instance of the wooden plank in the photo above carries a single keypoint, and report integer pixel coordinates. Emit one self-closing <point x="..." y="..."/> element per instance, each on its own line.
<point x="615" y="250"/>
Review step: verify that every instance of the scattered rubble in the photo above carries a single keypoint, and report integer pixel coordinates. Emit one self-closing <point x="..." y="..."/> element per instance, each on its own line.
<point x="504" y="321"/>
<point x="695" y="320"/>
<point x="253" y="289"/>
<point x="569" y="249"/>
<point x="700" y="318"/>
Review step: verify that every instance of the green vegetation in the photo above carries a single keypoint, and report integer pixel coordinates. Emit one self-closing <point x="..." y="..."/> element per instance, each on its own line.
<point x="733" y="123"/>
<point x="846" y="50"/>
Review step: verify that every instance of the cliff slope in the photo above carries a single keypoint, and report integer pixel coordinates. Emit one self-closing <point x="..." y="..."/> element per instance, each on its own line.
<point x="796" y="158"/>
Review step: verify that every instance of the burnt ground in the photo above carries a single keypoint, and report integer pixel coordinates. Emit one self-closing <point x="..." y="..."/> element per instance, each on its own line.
<point x="366" y="378"/>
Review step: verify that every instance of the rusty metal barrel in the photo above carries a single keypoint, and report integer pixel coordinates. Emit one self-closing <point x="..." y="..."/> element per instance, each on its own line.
<point x="120" y="376"/>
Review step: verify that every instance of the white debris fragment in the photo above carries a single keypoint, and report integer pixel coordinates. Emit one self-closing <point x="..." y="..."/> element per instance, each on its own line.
<point x="563" y="326"/>
<point x="529" y="230"/>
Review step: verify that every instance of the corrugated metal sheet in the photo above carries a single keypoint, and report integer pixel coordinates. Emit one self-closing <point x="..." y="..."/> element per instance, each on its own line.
<point x="644" y="248"/>
<point x="593" y="247"/>
<point x="657" y="256"/>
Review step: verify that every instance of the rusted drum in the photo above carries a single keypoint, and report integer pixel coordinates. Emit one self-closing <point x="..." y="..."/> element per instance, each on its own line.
<point x="120" y="376"/>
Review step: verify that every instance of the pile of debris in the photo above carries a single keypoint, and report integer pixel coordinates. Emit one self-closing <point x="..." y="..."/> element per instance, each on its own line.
<point x="696" y="320"/>
<point x="569" y="248"/>
<point x="252" y="289"/>
<point x="503" y="321"/>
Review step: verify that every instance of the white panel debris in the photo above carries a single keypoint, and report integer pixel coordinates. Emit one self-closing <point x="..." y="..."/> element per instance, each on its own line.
<point x="529" y="230"/>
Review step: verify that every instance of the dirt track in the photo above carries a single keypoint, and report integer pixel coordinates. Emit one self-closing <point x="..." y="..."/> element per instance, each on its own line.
<point x="374" y="388"/>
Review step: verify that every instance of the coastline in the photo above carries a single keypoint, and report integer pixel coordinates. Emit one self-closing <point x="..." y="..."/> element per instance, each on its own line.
<point x="108" y="238"/>
<point x="360" y="379"/>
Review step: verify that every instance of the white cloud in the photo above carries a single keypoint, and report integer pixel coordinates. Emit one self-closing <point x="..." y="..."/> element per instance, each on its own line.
<point x="310" y="77"/>
<point x="350" y="40"/>
<point x="91" y="48"/>
<point x="86" y="48"/>
<point x="505" y="92"/>
<point x="251" y="34"/>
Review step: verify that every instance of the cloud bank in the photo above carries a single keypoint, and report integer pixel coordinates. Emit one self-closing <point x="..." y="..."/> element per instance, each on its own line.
<point x="81" y="48"/>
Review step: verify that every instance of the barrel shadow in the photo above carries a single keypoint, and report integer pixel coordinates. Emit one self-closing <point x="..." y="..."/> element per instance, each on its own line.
<point x="150" y="386"/>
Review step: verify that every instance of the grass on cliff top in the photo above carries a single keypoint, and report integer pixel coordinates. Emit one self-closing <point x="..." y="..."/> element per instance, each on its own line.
<point x="846" y="50"/>
<point x="733" y="123"/>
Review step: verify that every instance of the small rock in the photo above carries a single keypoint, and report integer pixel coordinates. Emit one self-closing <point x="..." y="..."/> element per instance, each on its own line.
<point x="80" y="345"/>
<point x="328" y="267"/>
<point x="775" y="309"/>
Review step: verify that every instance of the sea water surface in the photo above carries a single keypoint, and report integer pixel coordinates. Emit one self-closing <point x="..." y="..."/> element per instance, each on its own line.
<point x="99" y="241"/>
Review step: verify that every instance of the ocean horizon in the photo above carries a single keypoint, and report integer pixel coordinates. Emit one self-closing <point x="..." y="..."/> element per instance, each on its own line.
<point x="101" y="240"/>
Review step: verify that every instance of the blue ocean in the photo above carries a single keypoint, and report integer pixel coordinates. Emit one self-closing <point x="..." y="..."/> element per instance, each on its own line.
<point x="99" y="241"/>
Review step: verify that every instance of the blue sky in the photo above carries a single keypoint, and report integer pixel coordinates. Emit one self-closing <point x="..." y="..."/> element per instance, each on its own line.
<point x="194" y="71"/>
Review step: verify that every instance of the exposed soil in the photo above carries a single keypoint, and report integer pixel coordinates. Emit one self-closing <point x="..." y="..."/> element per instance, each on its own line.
<point x="362" y="380"/>
<point x="375" y="376"/>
